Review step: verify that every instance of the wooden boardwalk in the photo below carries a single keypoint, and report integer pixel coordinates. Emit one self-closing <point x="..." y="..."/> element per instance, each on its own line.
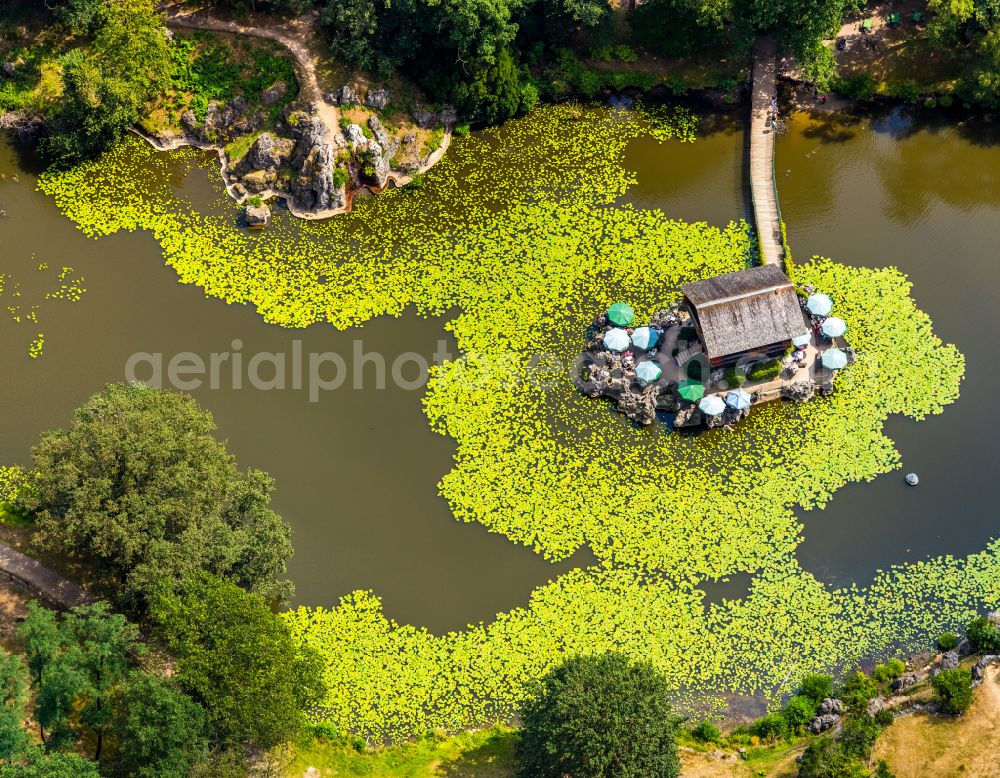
<point x="767" y="215"/>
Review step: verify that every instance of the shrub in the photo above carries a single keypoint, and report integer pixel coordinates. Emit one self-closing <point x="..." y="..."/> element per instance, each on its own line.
<point x="890" y="671"/>
<point x="884" y="718"/>
<point x="706" y="732"/>
<point x="906" y="90"/>
<point x="983" y="635"/>
<point x="340" y="177"/>
<point x="625" y="53"/>
<point x="771" y="727"/>
<point x="947" y="641"/>
<point x="461" y="130"/>
<point x="764" y="371"/>
<point x="734" y="376"/>
<point x="816" y="687"/>
<point x="599" y="715"/>
<point x="798" y="712"/>
<point x="953" y="690"/>
<point x="858" y="735"/>
<point x="859" y="87"/>
<point x="255" y="201"/>
<point x="858" y="690"/>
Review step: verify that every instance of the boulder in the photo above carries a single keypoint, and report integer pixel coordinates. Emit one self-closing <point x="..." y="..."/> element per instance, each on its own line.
<point x="424" y="118"/>
<point x="274" y="93"/>
<point x="377" y="98"/>
<point x="949" y="660"/>
<point x="994" y="618"/>
<point x="347" y="95"/>
<point x="823" y="723"/>
<point x="877" y="704"/>
<point x="258" y="217"/>
<point x="331" y="98"/>
<point x="690" y="416"/>
<point x="979" y="670"/>
<point x="267" y="153"/>
<point x="964" y="647"/>
<point x="800" y="391"/>
<point x="259" y="180"/>
<point x="355" y="136"/>
<point x="239" y="191"/>
<point x="389" y="145"/>
<point x="379" y="163"/>
<point x="831" y="705"/>
<point x="223" y="123"/>
<point x="640" y="407"/>
<point x="903" y="683"/>
<point x="448" y="115"/>
<point x="189" y="121"/>
<point x="9" y="69"/>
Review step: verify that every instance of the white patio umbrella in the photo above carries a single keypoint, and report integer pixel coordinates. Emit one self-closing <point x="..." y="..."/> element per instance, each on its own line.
<point x="834" y="327"/>
<point x="819" y="304"/>
<point x="712" y="405"/>
<point x="617" y="339"/>
<point x="801" y="340"/>
<point x="834" y="359"/>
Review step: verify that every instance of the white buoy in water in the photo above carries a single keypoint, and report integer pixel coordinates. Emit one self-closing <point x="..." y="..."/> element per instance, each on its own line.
<point x="912" y="479"/>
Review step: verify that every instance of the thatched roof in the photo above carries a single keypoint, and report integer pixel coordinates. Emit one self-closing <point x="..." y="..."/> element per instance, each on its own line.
<point x="745" y="310"/>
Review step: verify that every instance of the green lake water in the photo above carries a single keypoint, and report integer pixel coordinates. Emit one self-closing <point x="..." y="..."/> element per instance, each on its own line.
<point x="356" y="473"/>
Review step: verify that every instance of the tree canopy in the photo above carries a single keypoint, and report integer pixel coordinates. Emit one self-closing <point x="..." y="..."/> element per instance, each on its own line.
<point x="140" y="490"/>
<point x="599" y="717"/>
<point x="239" y="660"/>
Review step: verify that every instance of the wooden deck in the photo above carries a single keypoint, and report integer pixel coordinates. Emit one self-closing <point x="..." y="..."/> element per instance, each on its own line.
<point x="767" y="216"/>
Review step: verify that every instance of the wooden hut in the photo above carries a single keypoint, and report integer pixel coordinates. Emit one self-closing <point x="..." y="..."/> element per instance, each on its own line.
<point x="747" y="315"/>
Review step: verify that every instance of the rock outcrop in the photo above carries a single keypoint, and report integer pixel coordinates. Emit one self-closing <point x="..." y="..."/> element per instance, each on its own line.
<point x="258" y="217"/>
<point x="823" y="722"/>
<point x="377" y="98"/>
<point x="274" y="93"/>
<point x="314" y="160"/>
<point x="347" y="96"/>
<point x="800" y="391"/>
<point x="266" y="153"/>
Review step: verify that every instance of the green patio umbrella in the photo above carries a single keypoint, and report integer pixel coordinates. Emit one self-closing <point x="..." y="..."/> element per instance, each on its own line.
<point x="691" y="390"/>
<point x="621" y="314"/>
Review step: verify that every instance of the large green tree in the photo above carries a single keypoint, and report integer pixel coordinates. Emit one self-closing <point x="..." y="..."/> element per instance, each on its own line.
<point x="37" y="763"/>
<point x="140" y="490"/>
<point x="161" y="730"/>
<point x="238" y="659"/>
<point x="599" y="717"/>
<point x="108" y="82"/>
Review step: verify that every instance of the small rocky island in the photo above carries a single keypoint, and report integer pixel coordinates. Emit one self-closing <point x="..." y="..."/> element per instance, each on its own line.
<point x="731" y="342"/>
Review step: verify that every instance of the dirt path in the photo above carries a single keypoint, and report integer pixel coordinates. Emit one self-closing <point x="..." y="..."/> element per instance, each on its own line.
<point x="943" y="746"/>
<point x="293" y="35"/>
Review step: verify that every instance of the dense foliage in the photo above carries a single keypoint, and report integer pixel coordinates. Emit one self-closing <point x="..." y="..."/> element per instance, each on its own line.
<point x="140" y="490"/>
<point x="953" y="689"/>
<point x="239" y="660"/>
<point x="107" y="83"/>
<point x="90" y="691"/>
<point x="983" y="635"/>
<point x="525" y="234"/>
<point x="599" y="717"/>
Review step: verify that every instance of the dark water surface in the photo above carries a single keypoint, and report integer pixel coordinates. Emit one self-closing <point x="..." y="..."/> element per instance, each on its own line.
<point x="356" y="472"/>
<point x="921" y="192"/>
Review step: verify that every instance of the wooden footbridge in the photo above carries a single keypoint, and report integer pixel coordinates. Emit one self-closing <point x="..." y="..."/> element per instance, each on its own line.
<point x="766" y="211"/>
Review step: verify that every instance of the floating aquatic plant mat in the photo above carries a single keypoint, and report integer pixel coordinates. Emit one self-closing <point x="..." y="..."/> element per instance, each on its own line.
<point x="521" y="229"/>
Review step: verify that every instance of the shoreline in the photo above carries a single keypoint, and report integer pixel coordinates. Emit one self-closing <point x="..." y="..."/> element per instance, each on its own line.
<point x="396" y="179"/>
